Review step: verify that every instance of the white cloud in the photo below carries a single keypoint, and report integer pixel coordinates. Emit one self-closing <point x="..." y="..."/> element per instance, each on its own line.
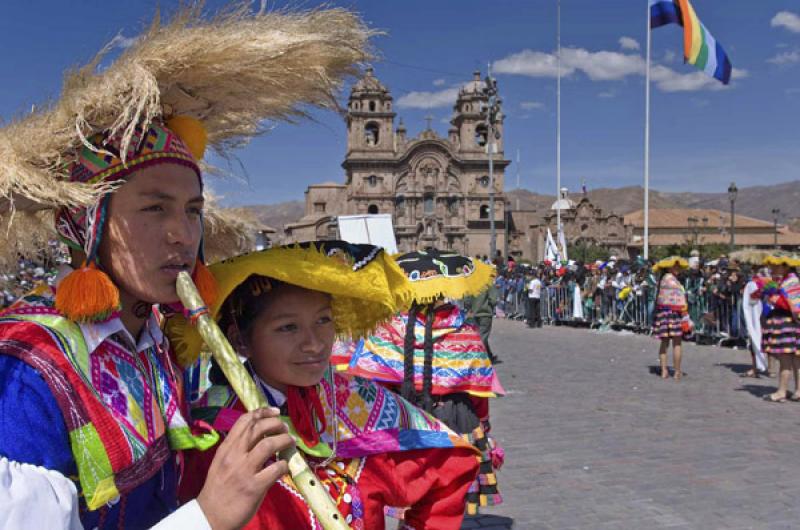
<point x="628" y="43"/>
<point x="439" y="82"/>
<point x="668" y="80"/>
<point x="598" y="66"/>
<point x="607" y="94"/>
<point x="786" y="58"/>
<point x="607" y="66"/>
<point x="603" y="65"/>
<point x="530" y="63"/>
<point x="428" y="100"/>
<point x="788" y="20"/>
<point x="670" y="56"/>
<point x="531" y="105"/>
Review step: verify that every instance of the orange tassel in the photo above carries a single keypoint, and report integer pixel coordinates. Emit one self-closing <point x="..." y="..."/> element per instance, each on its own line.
<point x="87" y="294"/>
<point x="206" y="283"/>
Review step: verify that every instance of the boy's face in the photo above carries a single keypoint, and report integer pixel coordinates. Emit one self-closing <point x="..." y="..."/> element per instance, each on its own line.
<point x="291" y="340"/>
<point x="152" y="232"/>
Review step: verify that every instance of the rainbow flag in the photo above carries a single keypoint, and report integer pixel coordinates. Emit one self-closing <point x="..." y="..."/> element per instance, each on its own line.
<point x="700" y="48"/>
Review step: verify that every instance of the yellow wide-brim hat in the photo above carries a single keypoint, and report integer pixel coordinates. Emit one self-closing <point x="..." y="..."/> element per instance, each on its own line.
<point x="781" y="259"/>
<point x="367" y="286"/>
<point x="668" y="263"/>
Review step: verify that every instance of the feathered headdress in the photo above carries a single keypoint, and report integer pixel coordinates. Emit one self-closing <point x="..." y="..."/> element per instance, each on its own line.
<point x="182" y="86"/>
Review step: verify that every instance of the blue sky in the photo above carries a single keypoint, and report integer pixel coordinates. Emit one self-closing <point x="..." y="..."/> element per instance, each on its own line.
<point x="703" y="137"/>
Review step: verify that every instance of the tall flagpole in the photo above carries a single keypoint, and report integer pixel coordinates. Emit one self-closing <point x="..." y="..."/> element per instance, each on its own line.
<point x="558" y="118"/>
<point x="647" y="142"/>
<point x="518" y="179"/>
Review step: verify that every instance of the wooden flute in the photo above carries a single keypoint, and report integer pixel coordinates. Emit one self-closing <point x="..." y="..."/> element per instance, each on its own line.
<point x="252" y="398"/>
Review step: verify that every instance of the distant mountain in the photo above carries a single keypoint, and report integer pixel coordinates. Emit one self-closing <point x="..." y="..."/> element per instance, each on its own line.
<point x="755" y="201"/>
<point x="279" y="214"/>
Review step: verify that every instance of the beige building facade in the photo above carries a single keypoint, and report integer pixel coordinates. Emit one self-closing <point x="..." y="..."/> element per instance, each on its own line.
<point x="436" y="188"/>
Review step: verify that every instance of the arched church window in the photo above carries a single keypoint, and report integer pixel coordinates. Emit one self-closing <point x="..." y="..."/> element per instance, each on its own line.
<point x="467" y="107"/>
<point x="371" y="133"/>
<point x="428" y="204"/>
<point x="400" y="205"/>
<point x="484" y="181"/>
<point x="356" y="105"/>
<point x="372" y="180"/>
<point x="484" y="213"/>
<point x="387" y="106"/>
<point x="372" y="209"/>
<point x="372" y="106"/>
<point x="481" y="135"/>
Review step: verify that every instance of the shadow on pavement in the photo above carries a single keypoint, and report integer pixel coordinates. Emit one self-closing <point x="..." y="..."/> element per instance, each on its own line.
<point x="487" y="522"/>
<point x="758" y="391"/>
<point x="656" y="370"/>
<point x="737" y="368"/>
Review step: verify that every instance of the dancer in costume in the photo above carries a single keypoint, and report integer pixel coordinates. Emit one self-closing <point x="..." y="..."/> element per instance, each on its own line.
<point x="281" y="309"/>
<point x="92" y="414"/>
<point x="781" y="331"/>
<point x="438" y="359"/>
<point x="671" y="318"/>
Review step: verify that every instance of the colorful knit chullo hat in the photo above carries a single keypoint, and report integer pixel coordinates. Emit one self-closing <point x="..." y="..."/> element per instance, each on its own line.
<point x="87" y="293"/>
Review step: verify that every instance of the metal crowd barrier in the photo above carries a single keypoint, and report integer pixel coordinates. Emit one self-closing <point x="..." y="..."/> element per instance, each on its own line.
<point x="717" y="320"/>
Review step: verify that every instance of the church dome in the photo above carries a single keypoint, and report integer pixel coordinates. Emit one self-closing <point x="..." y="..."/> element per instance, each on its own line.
<point x="369" y="85"/>
<point x="475" y="86"/>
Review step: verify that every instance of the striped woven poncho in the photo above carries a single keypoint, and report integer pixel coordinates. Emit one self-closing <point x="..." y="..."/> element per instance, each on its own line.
<point x="460" y="360"/>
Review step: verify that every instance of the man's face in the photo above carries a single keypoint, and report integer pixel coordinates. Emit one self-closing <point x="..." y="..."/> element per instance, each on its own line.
<point x="153" y="232"/>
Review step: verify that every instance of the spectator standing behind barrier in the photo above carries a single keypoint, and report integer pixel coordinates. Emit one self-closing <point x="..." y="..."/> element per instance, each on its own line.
<point x="500" y="288"/>
<point x="781" y="331"/>
<point x="480" y="309"/>
<point x="534" y="302"/>
<point x="671" y="313"/>
<point x="694" y="293"/>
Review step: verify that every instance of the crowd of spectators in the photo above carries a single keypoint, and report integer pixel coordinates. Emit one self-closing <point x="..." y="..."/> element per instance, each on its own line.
<point x="620" y="292"/>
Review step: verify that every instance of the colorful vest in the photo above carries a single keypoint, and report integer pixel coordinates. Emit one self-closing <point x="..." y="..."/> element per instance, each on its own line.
<point x="122" y="410"/>
<point x="671" y="294"/>
<point x="369" y="419"/>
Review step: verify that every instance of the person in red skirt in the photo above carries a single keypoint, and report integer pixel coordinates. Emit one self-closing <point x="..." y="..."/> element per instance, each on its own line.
<point x="671" y="318"/>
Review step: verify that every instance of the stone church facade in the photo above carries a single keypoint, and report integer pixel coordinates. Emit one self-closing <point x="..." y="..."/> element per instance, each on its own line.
<point x="435" y="188"/>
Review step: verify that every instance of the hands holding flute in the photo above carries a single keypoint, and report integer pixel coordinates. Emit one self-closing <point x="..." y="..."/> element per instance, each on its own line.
<point x="237" y="479"/>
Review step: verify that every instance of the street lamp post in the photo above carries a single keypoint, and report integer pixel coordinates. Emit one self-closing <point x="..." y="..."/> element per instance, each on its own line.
<point x="732" y="191"/>
<point x="775" y="213"/>
<point x="705" y="229"/>
<point x="693" y="229"/>
<point x="492" y="115"/>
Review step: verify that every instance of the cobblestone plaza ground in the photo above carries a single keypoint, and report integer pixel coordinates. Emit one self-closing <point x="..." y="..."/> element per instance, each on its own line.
<point x="594" y="439"/>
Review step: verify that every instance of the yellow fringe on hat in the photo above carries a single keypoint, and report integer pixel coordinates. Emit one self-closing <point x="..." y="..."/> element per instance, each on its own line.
<point x="668" y="263"/>
<point x="428" y="290"/>
<point x="360" y="299"/>
<point x="87" y="294"/>
<point x="782" y="259"/>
